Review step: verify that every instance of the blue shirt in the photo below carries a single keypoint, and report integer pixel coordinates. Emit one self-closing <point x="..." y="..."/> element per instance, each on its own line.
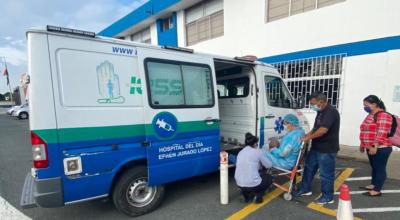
<point x="248" y="163"/>
<point x="285" y="156"/>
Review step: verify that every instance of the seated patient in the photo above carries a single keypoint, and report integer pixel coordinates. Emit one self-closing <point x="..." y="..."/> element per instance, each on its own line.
<point x="284" y="155"/>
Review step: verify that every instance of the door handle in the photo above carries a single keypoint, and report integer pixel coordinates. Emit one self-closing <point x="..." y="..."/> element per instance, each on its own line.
<point x="270" y="116"/>
<point x="211" y="120"/>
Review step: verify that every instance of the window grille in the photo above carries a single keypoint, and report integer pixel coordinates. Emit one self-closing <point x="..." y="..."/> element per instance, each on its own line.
<point x="305" y="76"/>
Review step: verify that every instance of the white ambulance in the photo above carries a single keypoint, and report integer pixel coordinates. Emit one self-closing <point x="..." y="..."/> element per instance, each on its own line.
<point x="119" y="119"/>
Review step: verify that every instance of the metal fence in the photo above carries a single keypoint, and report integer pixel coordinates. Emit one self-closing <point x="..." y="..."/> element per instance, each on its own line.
<point x="305" y="76"/>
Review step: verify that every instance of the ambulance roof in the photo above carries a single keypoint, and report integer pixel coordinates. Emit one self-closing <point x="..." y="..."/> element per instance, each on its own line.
<point x="67" y="32"/>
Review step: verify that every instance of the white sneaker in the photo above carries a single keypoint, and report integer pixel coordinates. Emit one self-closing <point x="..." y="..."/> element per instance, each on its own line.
<point x="323" y="201"/>
<point x="301" y="193"/>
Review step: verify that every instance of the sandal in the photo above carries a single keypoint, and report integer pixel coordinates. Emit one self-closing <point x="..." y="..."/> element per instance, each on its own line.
<point x="370" y="195"/>
<point x="365" y="188"/>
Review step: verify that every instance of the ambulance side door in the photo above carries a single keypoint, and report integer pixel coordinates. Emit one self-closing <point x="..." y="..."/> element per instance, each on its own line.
<point x="276" y="103"/>
<point x="182" y="118"/>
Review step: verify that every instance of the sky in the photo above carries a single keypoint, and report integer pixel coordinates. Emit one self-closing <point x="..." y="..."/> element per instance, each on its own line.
<point x="18" y="16"/>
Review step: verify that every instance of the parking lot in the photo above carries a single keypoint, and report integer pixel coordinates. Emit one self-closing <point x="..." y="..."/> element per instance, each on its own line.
<point x="196" y="198"/>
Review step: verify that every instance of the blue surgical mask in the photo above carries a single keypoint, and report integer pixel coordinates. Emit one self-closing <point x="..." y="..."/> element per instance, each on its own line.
<point x="367" y="109"/>
<point x="315" y="108"/>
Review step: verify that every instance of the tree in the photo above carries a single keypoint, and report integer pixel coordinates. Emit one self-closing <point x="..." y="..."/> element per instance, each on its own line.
<point x="7" y="96"/>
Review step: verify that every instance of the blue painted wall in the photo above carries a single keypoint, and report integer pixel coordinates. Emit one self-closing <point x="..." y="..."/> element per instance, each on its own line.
<point x="378" y="45"/>
<point x="145" y="11"/>
<point x="167" y="37"/>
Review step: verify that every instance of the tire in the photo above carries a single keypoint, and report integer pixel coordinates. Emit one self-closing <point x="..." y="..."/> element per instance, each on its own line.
<point x="23" y="115"/>
<point x="131" y="183"/>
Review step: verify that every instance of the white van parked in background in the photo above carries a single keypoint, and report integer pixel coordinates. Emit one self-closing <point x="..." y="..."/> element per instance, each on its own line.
<point x="119" y="119"/>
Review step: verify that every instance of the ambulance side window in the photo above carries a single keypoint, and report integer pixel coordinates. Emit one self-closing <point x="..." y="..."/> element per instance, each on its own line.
<point x="277" y="93"/>
<point x="179" y="85"/>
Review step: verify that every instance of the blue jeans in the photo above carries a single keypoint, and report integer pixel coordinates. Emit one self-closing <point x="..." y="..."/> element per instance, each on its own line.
<point x="378" y="163"/>
<point x="326" y="164"/>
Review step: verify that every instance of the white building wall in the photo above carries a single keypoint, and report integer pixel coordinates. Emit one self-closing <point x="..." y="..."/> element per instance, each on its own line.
<point x="246" y="31"/>
<point x="22" y="95"/>
<point x="365" y="75"/>
<point x="153" y="34"/>
<point x="180" y="21"/>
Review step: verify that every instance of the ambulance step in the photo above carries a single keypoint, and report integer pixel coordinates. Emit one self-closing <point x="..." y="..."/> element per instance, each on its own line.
<point x="27" y="198"/>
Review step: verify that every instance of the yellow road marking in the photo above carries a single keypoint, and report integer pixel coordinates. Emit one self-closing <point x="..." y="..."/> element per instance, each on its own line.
<point x="247" y="210"/>
<point x="253" y="207"/>
<point x="342" y="177"/>
<point x="326" y="211"/>
<point x="338" y="182"/>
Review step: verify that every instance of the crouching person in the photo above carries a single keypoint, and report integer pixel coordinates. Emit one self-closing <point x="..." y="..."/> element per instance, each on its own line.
<point x="249" y="176"/>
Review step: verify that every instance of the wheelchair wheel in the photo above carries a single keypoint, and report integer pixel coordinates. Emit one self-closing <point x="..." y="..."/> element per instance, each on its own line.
<point x="287" y="196"/>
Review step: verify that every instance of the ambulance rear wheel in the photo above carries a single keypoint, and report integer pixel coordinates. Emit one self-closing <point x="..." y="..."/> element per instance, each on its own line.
<point x="133" y="196"/>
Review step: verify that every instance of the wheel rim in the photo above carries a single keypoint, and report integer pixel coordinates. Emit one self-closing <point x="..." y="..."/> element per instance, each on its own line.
<point x="139" y="194"/>
<point x="23" y="116"/>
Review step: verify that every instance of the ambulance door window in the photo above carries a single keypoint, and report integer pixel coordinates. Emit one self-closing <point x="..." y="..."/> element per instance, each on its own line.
<point x="277" y="93"/>
<point x="197" y="85"/>
<point x="179" y="85"/>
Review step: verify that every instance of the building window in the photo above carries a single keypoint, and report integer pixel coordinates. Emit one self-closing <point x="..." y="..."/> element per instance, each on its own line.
<point x="142" y="36"/>
<point x="204" y="21"/>
<point x="306" y="76"/>
<point x="167" y="23"/>
<point x="277" y="9"/>
<point x="174" y="84"/>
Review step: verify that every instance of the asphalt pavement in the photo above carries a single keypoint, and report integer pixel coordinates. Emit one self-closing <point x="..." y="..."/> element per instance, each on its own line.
<point x="196" y="198"/>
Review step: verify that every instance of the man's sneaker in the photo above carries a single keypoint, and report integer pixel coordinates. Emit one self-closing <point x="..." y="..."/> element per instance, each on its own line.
<point x="302" y="193"/>
<point x="323" y="201"/>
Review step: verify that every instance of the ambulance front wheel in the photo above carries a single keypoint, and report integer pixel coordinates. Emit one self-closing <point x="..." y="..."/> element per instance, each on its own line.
<point x="132" y="195"/>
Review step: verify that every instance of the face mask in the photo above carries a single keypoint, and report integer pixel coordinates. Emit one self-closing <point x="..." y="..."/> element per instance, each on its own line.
<point x="367" y="109"/>
<point x="286" y="128"/>
<point x="315" y="108"/>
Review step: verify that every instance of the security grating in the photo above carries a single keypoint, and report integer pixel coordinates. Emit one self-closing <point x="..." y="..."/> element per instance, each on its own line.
<point x="305" y="76"/>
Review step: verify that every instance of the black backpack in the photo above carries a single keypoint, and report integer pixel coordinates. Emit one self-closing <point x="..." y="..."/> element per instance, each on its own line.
<point x="394" y="123"/>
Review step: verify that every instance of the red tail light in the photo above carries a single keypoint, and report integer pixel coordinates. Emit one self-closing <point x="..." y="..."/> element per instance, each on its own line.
<point x="39" y="152"/>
